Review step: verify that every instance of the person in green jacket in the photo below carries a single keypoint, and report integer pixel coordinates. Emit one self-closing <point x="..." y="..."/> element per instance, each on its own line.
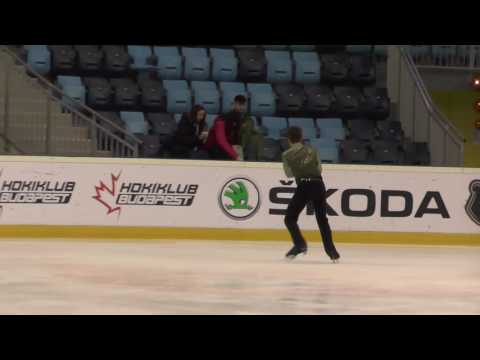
<point x="303" y="163"/>
<point x="251" y="140"/>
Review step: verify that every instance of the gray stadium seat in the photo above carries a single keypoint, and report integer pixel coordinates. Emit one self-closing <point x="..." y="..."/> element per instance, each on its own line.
<point x="377" y="103"/>
<point x="162" y="124"/>
<point x="390" y="130"/>
<point x="363" y="129"/>
<point x="90" y="58"/>
<point x="126" y="93"/>
<point x="64" y="59"/>
<point x="290" y="99"/>
<point x="349" y="101"/>
<point x="363" y="70"/>
<point x="335" y="68"/>
<point x="252" y="64"/>
<point x="320" y="100"/>
<point x="153" y="95"/>
<point x="117" y="60"/>
<point x="386" y="152"/>
<point x="416" y="153"/>
<point x="99" y="92"/>
<point x="354" y="152"/>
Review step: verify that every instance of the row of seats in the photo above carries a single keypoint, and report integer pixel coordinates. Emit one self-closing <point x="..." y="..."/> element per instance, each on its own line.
<point x="326" y="135"/>
<point x="178" y="96"/>
<point x="272" y="127"/>
<point x="173" y="63"/>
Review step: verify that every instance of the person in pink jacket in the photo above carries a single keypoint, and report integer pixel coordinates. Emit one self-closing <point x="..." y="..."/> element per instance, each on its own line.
<point x="225" y="133"/>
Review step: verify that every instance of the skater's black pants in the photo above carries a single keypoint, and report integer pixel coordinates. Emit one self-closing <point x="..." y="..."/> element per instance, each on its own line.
<point x="310" y="190"/>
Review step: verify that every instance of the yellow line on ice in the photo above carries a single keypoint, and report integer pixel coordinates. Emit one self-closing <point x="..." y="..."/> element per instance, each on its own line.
<point x="97" y="233"/>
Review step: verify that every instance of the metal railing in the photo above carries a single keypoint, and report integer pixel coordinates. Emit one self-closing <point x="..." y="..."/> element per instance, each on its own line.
<point x="103" y="139"/>
<point x="452" y="57"/>
<point x="420" y="117"/>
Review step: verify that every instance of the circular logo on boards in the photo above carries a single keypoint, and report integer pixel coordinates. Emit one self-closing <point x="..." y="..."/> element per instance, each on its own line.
<point x="239" y="199"/>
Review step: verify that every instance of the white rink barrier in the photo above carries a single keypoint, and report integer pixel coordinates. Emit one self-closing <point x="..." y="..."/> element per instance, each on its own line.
<point x="190" y="194"/>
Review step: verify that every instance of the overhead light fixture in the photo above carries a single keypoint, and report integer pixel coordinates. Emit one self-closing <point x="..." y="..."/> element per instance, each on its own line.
<point x="476" y="82"/>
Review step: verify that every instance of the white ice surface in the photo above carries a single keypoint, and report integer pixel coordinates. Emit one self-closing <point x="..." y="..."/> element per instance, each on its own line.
<point x="193" y="277"/>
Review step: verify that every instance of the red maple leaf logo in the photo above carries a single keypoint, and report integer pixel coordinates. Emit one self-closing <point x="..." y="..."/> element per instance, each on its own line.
<point x="100" y="197"/>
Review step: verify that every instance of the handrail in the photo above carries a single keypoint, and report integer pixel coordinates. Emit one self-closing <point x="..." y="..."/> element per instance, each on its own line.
<point x="431" y="107"/>
<point x="131" y="141"/>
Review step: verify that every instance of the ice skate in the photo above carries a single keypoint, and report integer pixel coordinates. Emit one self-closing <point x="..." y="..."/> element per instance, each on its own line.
<point x="335" y="257"/>
<point x="292" y="254"/>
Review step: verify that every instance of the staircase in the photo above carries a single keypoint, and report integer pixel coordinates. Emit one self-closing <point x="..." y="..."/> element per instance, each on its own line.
<point x="33" y="117"/>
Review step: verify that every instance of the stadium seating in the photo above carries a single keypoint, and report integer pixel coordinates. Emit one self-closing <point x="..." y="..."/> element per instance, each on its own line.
<point x="224" y="65"/>
<point x="39" y="58"/>
<point x="262" y="99"/>
<point x="275" y="126"/>
<point x="179" y="97"/>
<point x="279" y="66"/>
<point x="307" y="67"/>
<point x="205" y="93"/>
<point x="135" y="122"/>
<point x="197" y="63"/>
<point x="169" y="63"/>
<point x="317" y="87"/>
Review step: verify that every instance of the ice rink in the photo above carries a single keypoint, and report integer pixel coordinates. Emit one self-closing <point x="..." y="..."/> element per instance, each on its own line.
<point x="219" y="277"/>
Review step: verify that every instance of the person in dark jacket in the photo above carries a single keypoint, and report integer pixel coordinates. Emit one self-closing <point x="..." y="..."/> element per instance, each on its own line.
<point x="191" y="133"/>
<point x="224" y="136"/>
<point x="303" y="163"/>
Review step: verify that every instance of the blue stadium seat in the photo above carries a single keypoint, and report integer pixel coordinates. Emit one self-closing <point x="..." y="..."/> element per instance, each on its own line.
<point x="262" y="99"/>
<point x="332" y="133"/>
<point x="179" y="97"/>
<point x="205" y="93"/>
<point x="331" y="128"/>
<point x="73" y="88"/>
<point x="279" y="66"/>
<point x="169" y="63"/>
<point x="307" y="67"/>
<point x="275" y="126"/>
<point x="197" y="63"/>
<point x="63" y="81"/>
<point x="141" y="56"/>
<point x="308" y="126"/>
<point x="329" y="123"/>
<point x="328" y="150"/>
<point x="135" y="122"/>
<point x="39" y="58"/>
<point x="224" y="65"/>
<point x="229" y="91"/>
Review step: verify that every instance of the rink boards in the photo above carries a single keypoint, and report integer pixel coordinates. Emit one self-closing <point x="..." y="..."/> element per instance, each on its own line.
<point x="148" y="199"/>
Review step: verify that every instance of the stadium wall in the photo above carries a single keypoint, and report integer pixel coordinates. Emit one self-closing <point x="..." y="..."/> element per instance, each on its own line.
<point x="123" y="199"/>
